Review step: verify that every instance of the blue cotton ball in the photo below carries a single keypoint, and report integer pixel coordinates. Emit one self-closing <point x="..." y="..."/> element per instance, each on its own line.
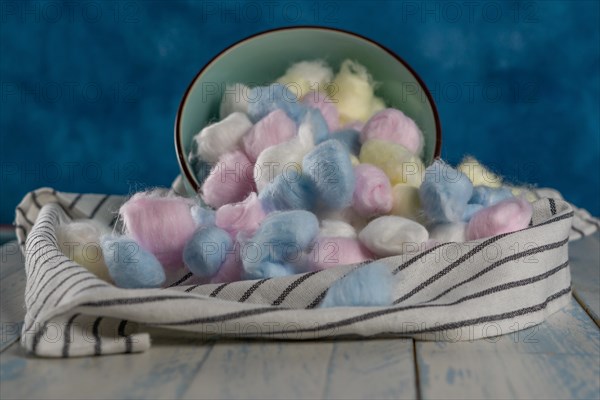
<point x="367" y="286"/>
<point x="129" y="265"/>
<point x="444" y="193"/>
<point x="350" y="138"/>
<point x="290" y="190"/>
<point x="203" y="216"/>
<point x="206" y="250"/>
<point x="262" y="100"/>
<point x="488" y="196"/>
<point x="314" y="120"/>
<point x="329" y="167"/>
<point x="281" y="240"/>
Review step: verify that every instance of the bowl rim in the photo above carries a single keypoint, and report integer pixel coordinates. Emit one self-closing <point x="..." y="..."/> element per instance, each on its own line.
<point x="182" y="158"/>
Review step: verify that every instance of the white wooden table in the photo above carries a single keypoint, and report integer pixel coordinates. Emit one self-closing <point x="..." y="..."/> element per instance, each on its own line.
<point x="555" y="360"/>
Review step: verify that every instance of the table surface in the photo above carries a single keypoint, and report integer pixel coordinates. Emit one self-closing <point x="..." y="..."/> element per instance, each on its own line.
<point x="557" y="359"/>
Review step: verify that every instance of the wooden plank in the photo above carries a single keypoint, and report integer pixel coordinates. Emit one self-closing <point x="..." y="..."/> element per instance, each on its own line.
<point x="12" y="292"/>
<point x="584" y="256"/>
<point x="164" y="372"/>
<point x="372" y="369"/>
<point x="266" y="370"/>
<point x="555" y="360"/>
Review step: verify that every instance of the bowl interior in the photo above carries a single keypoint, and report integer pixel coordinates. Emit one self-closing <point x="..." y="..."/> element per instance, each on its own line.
<point x="263" y="58"/>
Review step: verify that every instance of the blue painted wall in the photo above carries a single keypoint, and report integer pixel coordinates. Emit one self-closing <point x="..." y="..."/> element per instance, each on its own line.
<point x="90" y="90"/>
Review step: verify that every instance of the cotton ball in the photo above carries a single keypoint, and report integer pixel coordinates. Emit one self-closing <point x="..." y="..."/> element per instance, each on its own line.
<point x="394" y="126"/>
<point x="245" y="216"/>
<point x="448" y="232"/>
<point x="304" y="76"/>
<point x="488" y="196"/>
<point x="326" y="106"/>
<point x="332" y="251"/>
<point x="478" y="174"/>
<point x="290" y="190"/>
<point x="525" y="193"/>
<point x="335" y="228"/>
<point x="80" y="241"/>
<point x="203" y="216"/>
<point x="509" y="215"/>
<point x="373" y="192"/>
<point x="354" y="92"/>
<point x="368" y="286"/>
<point x="221" y="137"/>
<point x="405" y="201"/>
<point x="329" y="167"/>
<point x="377" y="105"/>
<point x="273" y="129"/>
<point x="235" y="99"/>
<point x="347" y="215"/>
<point x="470" y="210"/>
<point x="350" y="138"/>
<point x="262" y="100"/>
<point x="161" y="225"/>
<point x="231" y="180"/>
<point x="277" y="247"/>
<point x="285" y="156"/>
<point x="129" y="265"/>
<point x="231" y="270"/>
<point x="398" y="163"/>
<point x="356" y="125"/>
<point x="205" y="252"/>
<point x="391" y="235"/>
<point x="314" y="121"/>
<point x="445" y="193"/>
<point x="354" y="160"/>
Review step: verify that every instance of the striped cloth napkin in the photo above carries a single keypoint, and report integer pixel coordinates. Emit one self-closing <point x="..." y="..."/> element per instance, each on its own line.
<point x="455" y="291"/>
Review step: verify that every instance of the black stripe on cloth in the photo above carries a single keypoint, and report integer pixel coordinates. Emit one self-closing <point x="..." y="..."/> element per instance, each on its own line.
<point x="39" y="281"/>
<point x="222" y="317"/>
<point x="578" y="230"/>
<point x="317" y="299"/>
<point x="87" y="278"/>
<point x="450" y="267"/>
<point x="121" y="332"/>
<point x="75" y="200"/>
<point x="191" y="288"/>
<point x="97" y="208"/>
<point x="291" y="287"/>
<point x="67" y="338"/>
<point x="218" y="290"/>
<point x="418" y="257"/>
<point x="19" y="209"/>
<point x="513" y="257"/>
<point x="21" y="228"/>
<point x="45" y="283"/>
<point x="96" y="285"/>
<point x="35" y="200"/>
<point x="38" y="336"/>
<point x="183" y="279"/>
<point x="553" y="220"/>
<point x="97" y="338"/>
<point x="552" y="206"/>
<point x="136" y="300"/>
<point x="379" y="313"/>
<point x="252" y="289"/>
<point x="592" y="222"/>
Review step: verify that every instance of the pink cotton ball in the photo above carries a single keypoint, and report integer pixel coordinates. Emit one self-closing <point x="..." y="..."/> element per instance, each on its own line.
<point x="161" y="225"/>
<point x="509" y="215"/>
<point x="230" y="180"/>
<point x="244" y="217"/>
<point x="373" y="191"/>
<point x="394" y="126"/>
<point x="332" y="251"/>
<point x="273" y="129"/>
<point x="231" y="269"/>
<point x="321" y="102"/>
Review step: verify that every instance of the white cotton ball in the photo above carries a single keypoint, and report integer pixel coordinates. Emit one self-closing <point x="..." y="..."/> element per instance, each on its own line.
<point x="336" y="228"/>
<point x="450" y="232"/>
<point x="221" y="137"/>
<point x="306" y="76"/>
<point x="80" y="241"/>
<point x="353" y="88"/>
<point x="286" y="156"/>
<point x="235" y="99"/>
<point x="390" y="235"/>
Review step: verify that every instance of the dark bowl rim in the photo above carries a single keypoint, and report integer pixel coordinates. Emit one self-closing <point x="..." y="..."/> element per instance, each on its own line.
<point x="182" y="158"/>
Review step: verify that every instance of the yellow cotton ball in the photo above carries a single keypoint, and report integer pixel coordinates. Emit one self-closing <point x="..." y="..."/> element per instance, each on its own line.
<point x="353" y="90"/>
<point x="478" y="174"/>
<point x="307" y="76"/>
<point x="354" y="160"/>
<point x="406" y="202"/>
<point x="525" y="193"/>
<point x="80" y="241"/>
<point x="399" y="164"/>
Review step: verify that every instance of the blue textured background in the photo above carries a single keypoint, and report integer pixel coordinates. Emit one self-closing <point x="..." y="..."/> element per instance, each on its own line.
<point x="90" y="90"/>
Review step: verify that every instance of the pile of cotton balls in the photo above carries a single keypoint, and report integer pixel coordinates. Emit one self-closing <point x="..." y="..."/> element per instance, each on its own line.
<point x="296" y="177"/>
